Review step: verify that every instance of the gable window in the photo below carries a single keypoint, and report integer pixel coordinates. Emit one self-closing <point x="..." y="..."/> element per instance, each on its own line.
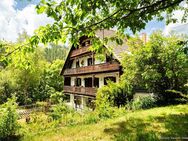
<point x="89" y="61"/>
<point x="111" y="78"/>
<point x="83" y="44"/>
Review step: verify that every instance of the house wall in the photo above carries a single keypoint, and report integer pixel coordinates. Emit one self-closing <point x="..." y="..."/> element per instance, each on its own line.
<point x="100" y="76"/>
<point x="84" y="61"/>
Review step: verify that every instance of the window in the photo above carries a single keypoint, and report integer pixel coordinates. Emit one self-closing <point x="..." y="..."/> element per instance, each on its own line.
<point x="78" y="82"/>
<point x="83" y="44"/>
<point x="88" y="82"/>
<point x="89" y="61"/>
<point x="77" y="64"/>
<point x="96" y="82"/>
<point x="111" y="78"/>
<point x="88" y="42"/>
<point x="67" y="81"/>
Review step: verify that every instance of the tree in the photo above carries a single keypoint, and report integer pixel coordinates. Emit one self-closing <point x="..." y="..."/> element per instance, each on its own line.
<point x="75" y="18"/>
<point x="9" y="126"/>
<point x="53" y="52"/>
<point x="159" y="65"/>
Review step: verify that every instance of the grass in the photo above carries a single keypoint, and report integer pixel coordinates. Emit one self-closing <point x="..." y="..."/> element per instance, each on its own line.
<point x="153" y="124"/>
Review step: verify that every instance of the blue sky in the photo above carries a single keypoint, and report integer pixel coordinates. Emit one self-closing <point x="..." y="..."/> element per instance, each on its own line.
<point x="20" y="4"/>
<point x="17" y="16"/>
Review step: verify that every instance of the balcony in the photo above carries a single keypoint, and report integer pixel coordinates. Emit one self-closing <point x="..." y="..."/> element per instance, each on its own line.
<point x="80" y="90"/>
<point x="79" y="51"/>
<point x="105" y="67"/>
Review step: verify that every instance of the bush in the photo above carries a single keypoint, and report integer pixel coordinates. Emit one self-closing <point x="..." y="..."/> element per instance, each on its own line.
<point x="55" y="96"/>
<point x="58" y="110"/>
<point x="91" y="118"/>
<point x="145" y="102"/>
<point x="112" y="95"/>
<point x="9" y="126"/>
<point x="173" y="97"/>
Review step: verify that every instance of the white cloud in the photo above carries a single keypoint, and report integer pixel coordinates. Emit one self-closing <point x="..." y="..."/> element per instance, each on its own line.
<point x="16" y="21"/>
<point x="178" y="27"/>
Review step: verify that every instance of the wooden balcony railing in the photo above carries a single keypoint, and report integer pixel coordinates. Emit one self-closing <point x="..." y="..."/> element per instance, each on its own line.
<point x="79" y="51"/>
<point x="80" y="90"/>
<point x="105" y="67"/>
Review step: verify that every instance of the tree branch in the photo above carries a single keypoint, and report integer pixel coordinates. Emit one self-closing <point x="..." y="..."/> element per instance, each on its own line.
<point x="131" y="11"/>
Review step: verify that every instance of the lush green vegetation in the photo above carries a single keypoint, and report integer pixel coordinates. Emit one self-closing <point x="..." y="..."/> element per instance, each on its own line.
<point x="150" y="125"/>
<point x="31" y="75"/>
<point x="75" y="18"/>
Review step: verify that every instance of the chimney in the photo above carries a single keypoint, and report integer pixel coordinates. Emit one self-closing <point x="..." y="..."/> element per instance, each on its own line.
<point x="144" y="37"/>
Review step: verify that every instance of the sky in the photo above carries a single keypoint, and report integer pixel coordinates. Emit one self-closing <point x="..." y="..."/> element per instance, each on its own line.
<point x="17" y="16"/>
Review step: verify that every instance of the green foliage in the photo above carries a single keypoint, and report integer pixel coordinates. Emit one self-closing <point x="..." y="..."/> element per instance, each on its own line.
<point x="158" y="65"/>
<point x="58" y="110"/>
<point x="145" y="102"/>
<point x="53" y="77"/>
<point x="9" y="126"/>
<point x="55" y="97"/>
<point x="91" y="118"/>
<point x="54" y="52"/>
<point x="7" y="85"/>
<point x="115" y="94"/>
<point x="28" y="74"/>
<point x="174" y="97"/>
<point x="75" y="18"/>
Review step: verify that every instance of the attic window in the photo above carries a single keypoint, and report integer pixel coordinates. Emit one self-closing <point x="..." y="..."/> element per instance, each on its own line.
<point x="83" y="44"/>
<point x="86" y="43"/>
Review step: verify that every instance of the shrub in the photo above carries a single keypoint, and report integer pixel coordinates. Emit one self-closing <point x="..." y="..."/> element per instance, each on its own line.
<point x="145" y="102"/>
<point x="111" y="95"/>
<point x="103" y="103"/>
<point x="58" y="110"/>
<point x="55" y="96"/>
<point x="173" y="97"/>
<point x="9" y="126"/>
<point x="90" y="118"/>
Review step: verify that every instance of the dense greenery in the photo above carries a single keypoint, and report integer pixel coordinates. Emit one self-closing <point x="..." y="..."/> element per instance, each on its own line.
<point x="152" y="124"/>
<point x="9" y="126"/>
<point x="157" y="66"/>
<point x="31" y="75"/>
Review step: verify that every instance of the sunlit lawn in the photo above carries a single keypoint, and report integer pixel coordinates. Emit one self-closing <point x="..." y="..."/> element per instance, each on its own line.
<point x="154" y="124"/>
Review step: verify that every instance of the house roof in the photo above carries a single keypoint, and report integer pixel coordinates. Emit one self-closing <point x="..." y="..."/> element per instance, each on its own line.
<point x="115" y="48"/>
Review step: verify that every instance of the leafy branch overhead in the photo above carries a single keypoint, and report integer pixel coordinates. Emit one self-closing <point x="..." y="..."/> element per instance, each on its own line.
<point x="75" y="18"/>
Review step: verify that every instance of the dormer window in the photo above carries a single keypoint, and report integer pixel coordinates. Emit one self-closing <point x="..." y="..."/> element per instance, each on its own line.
<point x="83" y="44"/>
